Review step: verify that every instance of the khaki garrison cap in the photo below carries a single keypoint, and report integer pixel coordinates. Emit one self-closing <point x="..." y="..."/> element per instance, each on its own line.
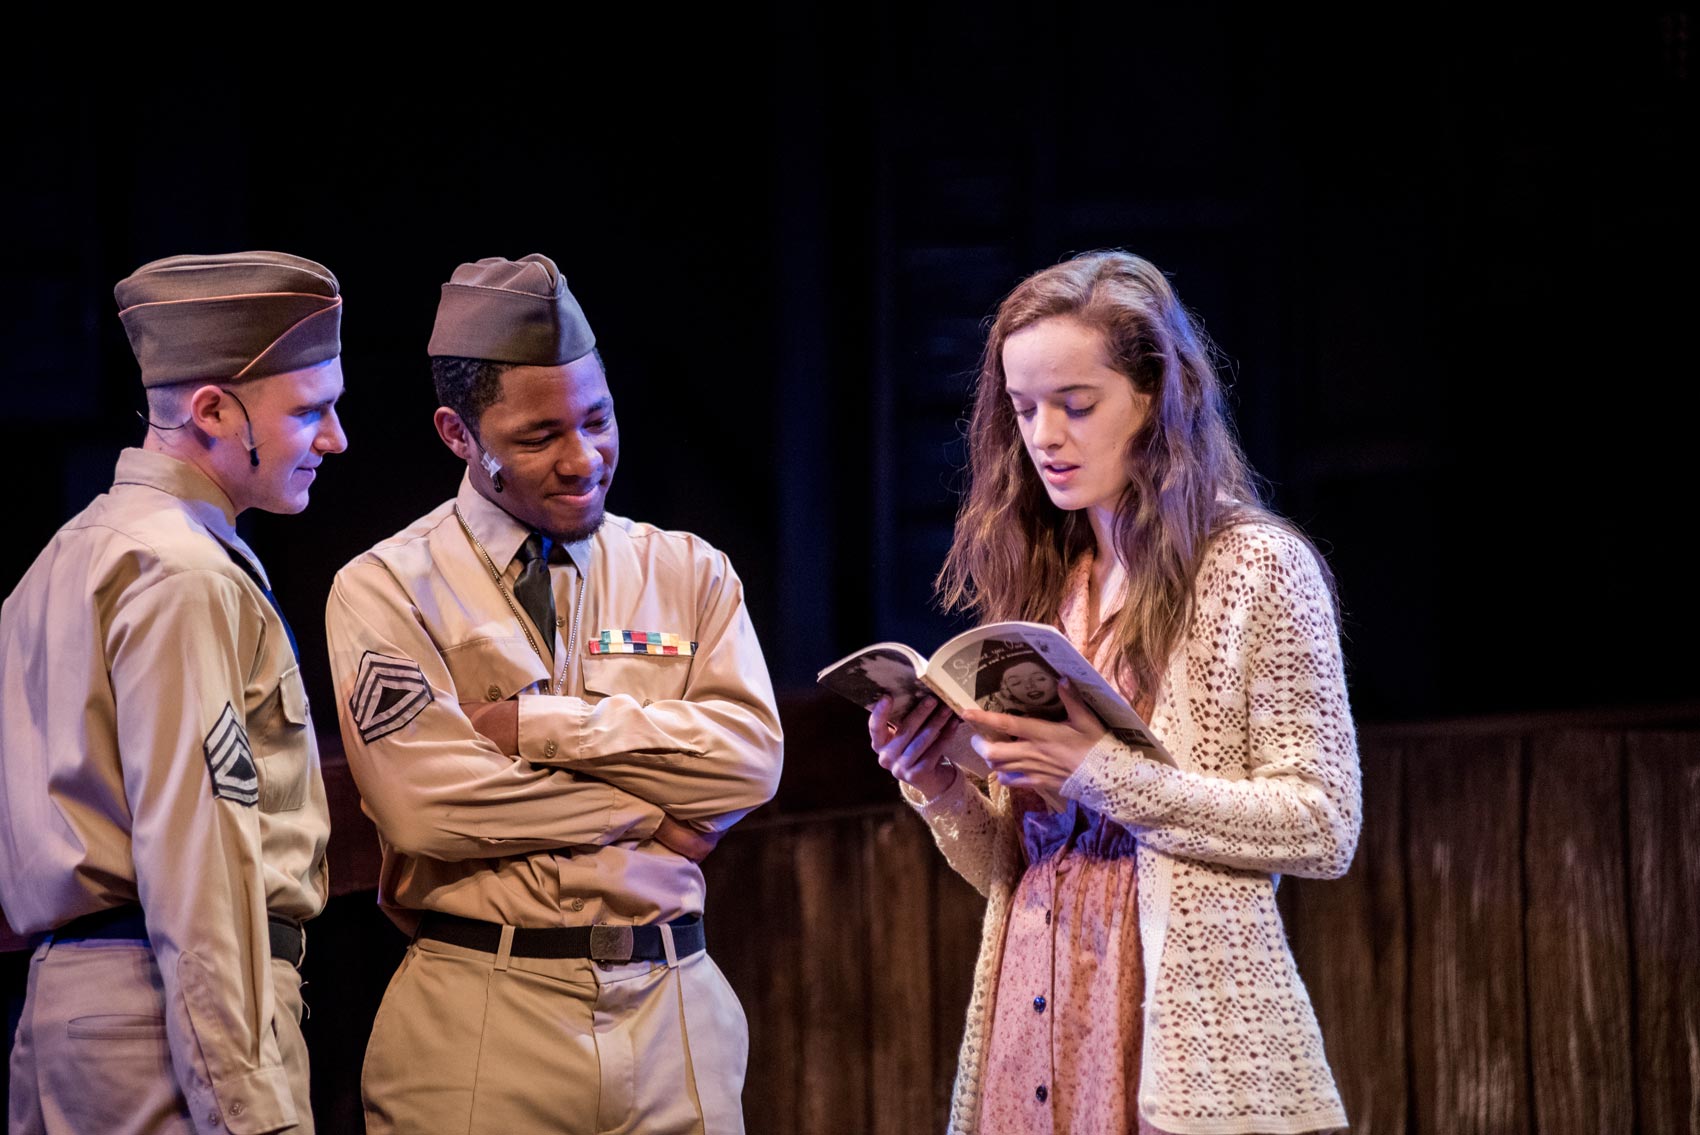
<point x="232" y="317"/>
<point x="511" y="311"/>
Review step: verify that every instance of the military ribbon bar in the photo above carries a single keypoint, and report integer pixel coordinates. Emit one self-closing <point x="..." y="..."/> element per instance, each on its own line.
<point x="641" y="642"/>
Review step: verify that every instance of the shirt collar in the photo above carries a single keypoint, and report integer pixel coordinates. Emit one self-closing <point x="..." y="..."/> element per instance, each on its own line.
<point x="201" y="496"/>
<point x="500" y="533"/>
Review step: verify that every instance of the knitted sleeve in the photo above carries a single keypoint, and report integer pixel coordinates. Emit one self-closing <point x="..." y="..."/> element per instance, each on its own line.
<point x="1269" y="765"/>
<point x="975" y="836"/>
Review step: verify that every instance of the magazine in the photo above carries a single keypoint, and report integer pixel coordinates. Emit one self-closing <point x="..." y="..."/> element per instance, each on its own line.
<point x="1009" y="667"/>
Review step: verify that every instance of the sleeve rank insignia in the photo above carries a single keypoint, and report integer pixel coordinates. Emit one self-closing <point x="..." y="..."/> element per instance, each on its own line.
<point x="388" y="693"/>
<point x="230" y="759"/>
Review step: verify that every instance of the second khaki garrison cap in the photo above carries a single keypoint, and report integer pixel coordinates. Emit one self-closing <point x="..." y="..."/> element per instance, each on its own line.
<point x="511" y="311"/>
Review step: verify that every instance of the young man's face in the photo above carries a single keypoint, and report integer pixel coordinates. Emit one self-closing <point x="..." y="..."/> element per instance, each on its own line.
<point x="294" y="423"/>
<point x="554" y="434"/>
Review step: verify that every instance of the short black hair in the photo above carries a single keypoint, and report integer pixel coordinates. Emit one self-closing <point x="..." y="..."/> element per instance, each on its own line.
<point x="468" y="386"/>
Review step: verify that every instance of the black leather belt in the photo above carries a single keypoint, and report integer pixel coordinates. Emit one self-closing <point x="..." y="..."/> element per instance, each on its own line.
<point x="599" y="943"/>
<point x="288" y="941"/>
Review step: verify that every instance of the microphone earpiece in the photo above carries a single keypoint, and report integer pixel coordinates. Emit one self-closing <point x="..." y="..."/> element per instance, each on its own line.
<point x="253" y="450"/>
<point x="493" y="468"/>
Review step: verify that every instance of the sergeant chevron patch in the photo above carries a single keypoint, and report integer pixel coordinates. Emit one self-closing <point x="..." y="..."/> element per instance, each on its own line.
<point x="231" y="760"/>
<point x="388" y="693"/>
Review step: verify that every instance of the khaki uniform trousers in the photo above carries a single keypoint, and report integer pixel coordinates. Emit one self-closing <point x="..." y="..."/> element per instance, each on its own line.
<point x="473" y="1043"/>
<point x="91" y="1055"/>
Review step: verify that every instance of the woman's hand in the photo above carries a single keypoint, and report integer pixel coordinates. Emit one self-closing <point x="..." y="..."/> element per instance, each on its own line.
<point x="1040" y="754"/>
<point x="912" y="750"/>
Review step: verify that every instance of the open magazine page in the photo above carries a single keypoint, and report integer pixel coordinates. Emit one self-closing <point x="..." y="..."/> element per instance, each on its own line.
<point x="888" y="669"/>
<point x="1000" y="675"/>
<point x="874" y="672"/>
<point x="1013" y="668"/>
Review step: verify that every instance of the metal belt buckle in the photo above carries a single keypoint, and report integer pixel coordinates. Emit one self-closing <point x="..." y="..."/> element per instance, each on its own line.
<point x="610" y="943"/>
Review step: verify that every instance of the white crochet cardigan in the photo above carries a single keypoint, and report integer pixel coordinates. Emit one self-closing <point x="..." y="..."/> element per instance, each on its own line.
<point x="1253" y="707"/>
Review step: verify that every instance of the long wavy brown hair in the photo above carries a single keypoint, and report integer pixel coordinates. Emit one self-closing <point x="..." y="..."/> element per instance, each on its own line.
<point x="1189" y="480"/>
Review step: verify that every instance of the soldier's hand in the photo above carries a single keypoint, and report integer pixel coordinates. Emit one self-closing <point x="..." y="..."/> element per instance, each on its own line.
<point x="498" y="721"/>
<point x="681" y="839"/>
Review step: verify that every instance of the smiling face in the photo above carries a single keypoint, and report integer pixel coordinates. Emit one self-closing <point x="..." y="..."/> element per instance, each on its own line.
<point x="1029" y="685"/>
<point x="553" y="432"/>
<point x="1076" y="414"/>
<point x="294" y="423"/>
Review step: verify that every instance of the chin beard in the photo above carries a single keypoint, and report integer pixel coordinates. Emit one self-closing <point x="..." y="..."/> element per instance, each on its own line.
<point x="583" y="532"/>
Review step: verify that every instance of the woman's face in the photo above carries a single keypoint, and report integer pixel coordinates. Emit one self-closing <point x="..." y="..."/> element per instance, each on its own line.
<point x="1029" y="685"/>
<point x="1076" y="414"/>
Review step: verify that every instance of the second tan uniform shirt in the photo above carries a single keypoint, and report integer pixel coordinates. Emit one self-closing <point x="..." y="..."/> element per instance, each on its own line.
<point x="560" y="835"/>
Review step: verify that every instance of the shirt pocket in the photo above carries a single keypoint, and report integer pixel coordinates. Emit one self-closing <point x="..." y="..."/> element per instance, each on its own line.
<point x="644" y="677"/>
<point x="283" y="745"/>
<point x="493" y="669"/>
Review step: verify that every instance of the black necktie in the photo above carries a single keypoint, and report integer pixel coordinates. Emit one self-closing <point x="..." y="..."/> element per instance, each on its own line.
<point x="532" y="587"/>
<point x="270" y="598"/>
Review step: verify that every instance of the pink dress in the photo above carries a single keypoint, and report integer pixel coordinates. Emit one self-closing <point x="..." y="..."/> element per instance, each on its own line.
<point x="1067" y="1021"/>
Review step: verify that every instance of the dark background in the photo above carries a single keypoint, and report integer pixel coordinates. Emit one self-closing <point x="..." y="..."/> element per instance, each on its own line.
<point x="1448" y="261"/>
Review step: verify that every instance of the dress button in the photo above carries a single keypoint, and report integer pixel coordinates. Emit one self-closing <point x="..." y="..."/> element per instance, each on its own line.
<point x="1040" y="1093"/>
<point x="1039" y="1003"/>
<point x="549" y="749"/>
<point x="494" y="693"/>
<point x="578" y="905"/>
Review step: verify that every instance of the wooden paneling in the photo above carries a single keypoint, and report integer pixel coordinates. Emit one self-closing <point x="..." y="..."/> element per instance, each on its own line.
<point x="1663" y="773"/>
<point x="833" y="960"/>
<point x="1577" y="935"/>
<point x="1464" y="809"/>
<point x="1350" y="939"/>
<point x="900" y="971"/>
<point x="353" y="850"/>
<point x="755" y="933"/>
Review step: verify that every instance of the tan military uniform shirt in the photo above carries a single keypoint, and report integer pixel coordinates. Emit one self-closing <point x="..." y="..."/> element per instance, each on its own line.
<point x="155" y="747"/>
<point x="560" y="835"/>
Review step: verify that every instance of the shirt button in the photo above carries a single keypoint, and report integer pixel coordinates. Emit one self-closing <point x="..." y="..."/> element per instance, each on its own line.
<point x="549" y="749"/>
<point x="647" y="703"/>
<point x="494" y="693"/>
<point x="236" y="1110"/>
<point x="1047" y="918"/>
<point x="1039" y="1003"/>
<point x="578" y="905"/>
<point x="560" y="621"/>
<point x="1040" y="1093"/>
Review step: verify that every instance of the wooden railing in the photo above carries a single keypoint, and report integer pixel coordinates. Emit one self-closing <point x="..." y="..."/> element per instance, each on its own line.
<point x="1514" y="949"/>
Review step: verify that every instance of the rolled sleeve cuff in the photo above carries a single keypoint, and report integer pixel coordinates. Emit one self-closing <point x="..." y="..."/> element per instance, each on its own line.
<point x="552" y="728"/>
<point x="256" y="1103"/>
<point x="949" y="802"/>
